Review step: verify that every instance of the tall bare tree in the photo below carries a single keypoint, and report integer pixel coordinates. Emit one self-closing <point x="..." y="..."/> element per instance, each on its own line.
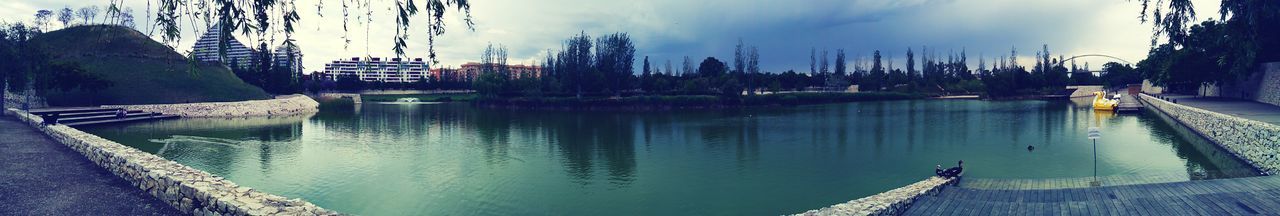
<point x="65" y="16"/>
<point x="42" y="19"/>
<point x="688" y="66"/>
<point x="87" y="14"/>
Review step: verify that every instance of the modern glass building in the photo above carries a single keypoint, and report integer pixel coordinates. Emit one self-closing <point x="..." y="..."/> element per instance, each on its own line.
<point x="206" y="50"/>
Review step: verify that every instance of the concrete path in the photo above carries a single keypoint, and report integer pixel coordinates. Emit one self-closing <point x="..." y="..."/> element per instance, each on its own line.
<point x="41" y="177"/>
<point x="1237" y="196"/>
<point x="1235" y="107"/>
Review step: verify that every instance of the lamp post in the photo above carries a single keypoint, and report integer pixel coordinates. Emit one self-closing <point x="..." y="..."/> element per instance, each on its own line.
<point x="1094" y="135"/>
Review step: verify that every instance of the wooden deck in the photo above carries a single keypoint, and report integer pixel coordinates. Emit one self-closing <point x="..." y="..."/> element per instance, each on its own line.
<point x="1065" y="183"/>
<point x="1129" y="103"/>
<point x="1237" y="196"/>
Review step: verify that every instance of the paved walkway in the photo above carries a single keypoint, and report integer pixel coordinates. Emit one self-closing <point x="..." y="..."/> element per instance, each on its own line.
<point x="41" y="177"/>
<point x="1237" y="196"/>
<point x="1235" y="107"/>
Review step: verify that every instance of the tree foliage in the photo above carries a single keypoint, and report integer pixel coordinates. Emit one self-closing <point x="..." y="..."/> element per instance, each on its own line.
<point x="87" y="14"/>
<point x="66" y="16"/>
<point x="1247" y="29"/>
<point x="26" y="66"/>
<point x="265" y="18"/>
<point x="1210" y="53"/>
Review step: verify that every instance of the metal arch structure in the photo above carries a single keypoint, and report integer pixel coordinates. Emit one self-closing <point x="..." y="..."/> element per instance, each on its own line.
<point x="1064" y="61"/>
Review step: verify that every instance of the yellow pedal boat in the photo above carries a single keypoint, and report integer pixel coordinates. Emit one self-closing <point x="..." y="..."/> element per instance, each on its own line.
<point x="1101" y="102"/>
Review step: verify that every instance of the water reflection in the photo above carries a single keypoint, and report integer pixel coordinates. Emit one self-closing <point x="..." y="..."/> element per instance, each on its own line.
<point x="214" y="143"/>
<point x="451" y="159"/>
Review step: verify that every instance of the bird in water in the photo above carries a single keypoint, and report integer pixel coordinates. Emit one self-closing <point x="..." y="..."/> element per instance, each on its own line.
<point x="1030" y="148"/>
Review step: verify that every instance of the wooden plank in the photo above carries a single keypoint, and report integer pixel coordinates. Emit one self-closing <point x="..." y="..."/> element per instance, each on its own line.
<point x="1187" y="201"/>
<point x="1207" y="205"/>
<point x="1268" y="204"/>
<point x="944" y="207"/>
<point x="1255" y="204"/>
<point x="920" y="205"/>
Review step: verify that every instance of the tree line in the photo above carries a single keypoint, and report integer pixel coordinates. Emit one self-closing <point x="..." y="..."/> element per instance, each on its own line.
<point x="265" y="71"/>
<point x="27" y="68"/>
<point x="88" y="15"/>
<point x="601" y="67"/>
<point x="1224" y="50"/>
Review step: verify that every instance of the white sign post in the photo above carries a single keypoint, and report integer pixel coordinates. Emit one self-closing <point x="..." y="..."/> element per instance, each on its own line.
<point x="1094" y="135"/>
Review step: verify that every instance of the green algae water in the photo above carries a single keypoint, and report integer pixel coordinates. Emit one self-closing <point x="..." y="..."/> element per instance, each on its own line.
<point x="455" y="159"/>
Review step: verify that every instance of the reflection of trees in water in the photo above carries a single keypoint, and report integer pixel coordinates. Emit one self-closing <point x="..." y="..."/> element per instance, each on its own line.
<point x="1203" y="159"/>
<point x="878" y="110"/>
<point x="912" y="125"/>
<point x="580" y="138"/>
<point x="494" y="131"/>
<point x="393" y="120"/>
<point x="1052" y="121"/>
<point x="584" y="141"/>
<point x="733" y="130"/>
<point x="218" y="144"/>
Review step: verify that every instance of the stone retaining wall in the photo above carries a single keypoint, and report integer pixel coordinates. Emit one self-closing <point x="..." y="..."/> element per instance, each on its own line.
<point x="1269" y="85"/>
<point x="892" y="202"/>
<point x="15" y="100"/>
<point x="189" y="190"/>
<point x="1085" y="91"/>
<point x="280" y="106"/>
<point x="1256" y="142"/>
<point x="354" y="97"/>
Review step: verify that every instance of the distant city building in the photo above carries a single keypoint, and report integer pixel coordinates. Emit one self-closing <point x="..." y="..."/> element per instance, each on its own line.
<point x="290" y="56"/>
<point x="206" y="50"/>
<point x="374" y="69"/>
<point x="451" y="75"/>
<point x="515" y="71"/>
<point x="396" y="71"/>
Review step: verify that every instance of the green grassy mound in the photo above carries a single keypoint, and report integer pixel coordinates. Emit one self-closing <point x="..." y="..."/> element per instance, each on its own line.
<point x="140" y="70"/>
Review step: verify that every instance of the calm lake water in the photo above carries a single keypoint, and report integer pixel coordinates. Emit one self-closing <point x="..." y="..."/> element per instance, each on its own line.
<point x="453" y="159"/>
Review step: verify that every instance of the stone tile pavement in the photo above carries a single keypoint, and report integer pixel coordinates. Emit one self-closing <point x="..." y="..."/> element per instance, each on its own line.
<point x="39" y="176"/>
<point x="1235" y="107"/>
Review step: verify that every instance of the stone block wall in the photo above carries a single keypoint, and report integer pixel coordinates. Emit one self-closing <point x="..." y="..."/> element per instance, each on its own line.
<point x="15" y="100"/>
<point x="188" y="189"/>
<point x="280" y="106"/>
<point x="1256" y="142"/>
<point x="892" y="202"/>
<point x="1151" y="88"/>
<point x="1085" y="91"/>
<point x="1269" y="87"/>
<point x="354" y="97"/>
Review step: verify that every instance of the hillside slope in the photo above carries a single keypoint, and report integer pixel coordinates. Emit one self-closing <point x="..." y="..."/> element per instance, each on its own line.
<point x="141" y="70"/>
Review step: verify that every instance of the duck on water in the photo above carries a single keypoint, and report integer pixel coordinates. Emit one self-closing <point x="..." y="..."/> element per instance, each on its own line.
<point x="950" y="172"/>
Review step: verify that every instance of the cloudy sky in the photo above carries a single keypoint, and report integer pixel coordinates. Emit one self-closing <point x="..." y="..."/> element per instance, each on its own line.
<point x="784" y="31"/>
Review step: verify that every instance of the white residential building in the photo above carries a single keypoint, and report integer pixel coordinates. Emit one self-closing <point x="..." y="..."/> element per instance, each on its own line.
<point x="375" y="69"/>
